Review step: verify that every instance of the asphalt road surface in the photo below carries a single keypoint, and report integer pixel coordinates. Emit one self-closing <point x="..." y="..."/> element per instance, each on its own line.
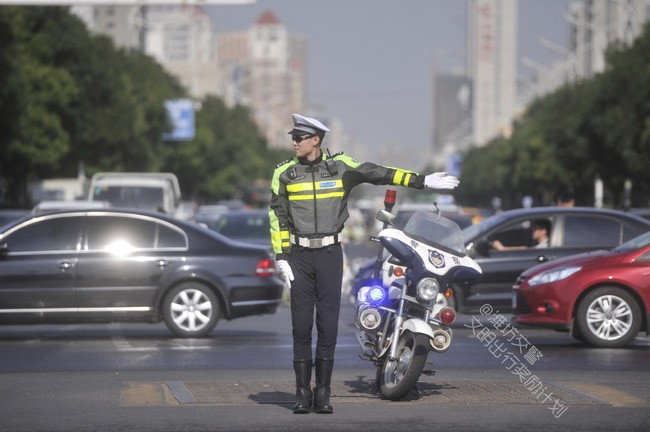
<point x="137" y="377"/>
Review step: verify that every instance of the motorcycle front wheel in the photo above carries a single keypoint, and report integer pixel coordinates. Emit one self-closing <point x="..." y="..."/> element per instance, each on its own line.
<point x="396" y="378"/>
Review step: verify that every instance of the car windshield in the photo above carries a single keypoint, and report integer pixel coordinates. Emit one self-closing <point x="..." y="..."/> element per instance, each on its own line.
<point x="473" y="231"/>
<point x="243" y="226"/>
<point x="435" y="230"/>
<point x="634" y="244"/>
<point x="148" y="198"/>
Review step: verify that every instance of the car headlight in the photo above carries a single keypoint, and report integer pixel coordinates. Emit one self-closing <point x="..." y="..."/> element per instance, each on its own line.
<point x="553" y="275"/>
<point x="427" y="289"/>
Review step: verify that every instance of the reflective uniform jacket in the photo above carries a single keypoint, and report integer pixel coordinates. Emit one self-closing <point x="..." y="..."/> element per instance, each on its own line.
<point x="310" y="200"/>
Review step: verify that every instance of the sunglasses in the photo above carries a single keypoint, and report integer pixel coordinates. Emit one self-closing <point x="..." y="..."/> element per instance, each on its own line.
<point x="299" y="138"/>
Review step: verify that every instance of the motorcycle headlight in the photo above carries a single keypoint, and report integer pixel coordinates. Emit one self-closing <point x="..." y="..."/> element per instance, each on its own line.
<point x="427" y="289"/>
<point x="553" y="275"/>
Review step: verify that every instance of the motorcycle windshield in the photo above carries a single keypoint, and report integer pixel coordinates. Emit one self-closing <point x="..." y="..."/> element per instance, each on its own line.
<point x="435" y="230"/>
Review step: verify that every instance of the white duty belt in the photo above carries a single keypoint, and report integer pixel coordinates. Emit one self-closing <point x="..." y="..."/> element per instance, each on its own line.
<point x="314" y="243"/>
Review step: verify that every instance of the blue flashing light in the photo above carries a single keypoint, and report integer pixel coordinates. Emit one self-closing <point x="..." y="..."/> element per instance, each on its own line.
<point x="376" y="294"/>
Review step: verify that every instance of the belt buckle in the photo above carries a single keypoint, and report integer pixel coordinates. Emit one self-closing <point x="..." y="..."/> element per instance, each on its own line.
<point x="315" y="243"/>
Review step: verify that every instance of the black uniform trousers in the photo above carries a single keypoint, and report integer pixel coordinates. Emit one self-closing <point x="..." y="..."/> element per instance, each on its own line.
<point x="318" y="275"/>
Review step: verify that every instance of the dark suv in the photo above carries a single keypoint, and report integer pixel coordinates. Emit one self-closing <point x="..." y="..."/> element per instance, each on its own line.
<point x="573" y="230"/>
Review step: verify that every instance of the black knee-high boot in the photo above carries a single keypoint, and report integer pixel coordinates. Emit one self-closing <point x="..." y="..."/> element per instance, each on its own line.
<point x="322" y="391"/>
<point x="303" y="386"/>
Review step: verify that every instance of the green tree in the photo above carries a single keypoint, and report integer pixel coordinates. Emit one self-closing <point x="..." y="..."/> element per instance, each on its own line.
<point x="485" y="173"/>
<point x="67" y="97"/>
<point x="33" y="93"/>
<point x="227" y="153"/>
<point x="619" y="123"/>
<point x="117" y="121"/>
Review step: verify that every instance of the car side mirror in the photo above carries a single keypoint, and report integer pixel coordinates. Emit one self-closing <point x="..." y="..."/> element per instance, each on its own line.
<point x="4" y="249"/>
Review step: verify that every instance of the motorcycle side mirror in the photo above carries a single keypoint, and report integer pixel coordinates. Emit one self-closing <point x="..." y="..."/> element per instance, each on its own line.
<point x="386" y="217"/>
<point x="470" y="251"/>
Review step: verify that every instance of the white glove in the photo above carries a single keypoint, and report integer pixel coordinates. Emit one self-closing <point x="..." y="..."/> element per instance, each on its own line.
<point x="286" y="271"/>
<point x="441" y="180"/>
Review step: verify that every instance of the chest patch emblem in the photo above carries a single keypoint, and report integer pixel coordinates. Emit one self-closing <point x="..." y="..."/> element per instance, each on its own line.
<point x="327" y="184"/>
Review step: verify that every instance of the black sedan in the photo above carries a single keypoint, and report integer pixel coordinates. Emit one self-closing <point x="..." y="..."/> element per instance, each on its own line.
<point x="119" y="265"/>
<point x="10" y="215"/>
<point x="572" y="230"/>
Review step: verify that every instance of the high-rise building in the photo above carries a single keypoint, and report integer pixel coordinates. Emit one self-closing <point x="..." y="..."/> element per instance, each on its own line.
<point x="182" y="39"/>
<point x="452" y="114"/>
<point x="473" y="107"/>
<point x="122" y="23"/>
<point x="264" y="68"/>
<point x="492" y="66"/>
<point x="595" y="24"/>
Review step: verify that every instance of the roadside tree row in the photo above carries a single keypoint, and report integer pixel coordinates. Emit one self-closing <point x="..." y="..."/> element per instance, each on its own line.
<point x="595" y="128"/>
<point x="68" y="98"/>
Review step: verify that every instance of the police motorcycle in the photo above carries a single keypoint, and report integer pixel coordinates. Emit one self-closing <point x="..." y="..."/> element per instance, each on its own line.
<point x="398" y="319"/>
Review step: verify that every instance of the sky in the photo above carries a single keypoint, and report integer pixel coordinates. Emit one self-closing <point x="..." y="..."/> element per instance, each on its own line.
<point x="371" y="62"/>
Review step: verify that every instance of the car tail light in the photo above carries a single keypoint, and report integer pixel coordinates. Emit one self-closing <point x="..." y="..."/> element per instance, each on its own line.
<point x="265" y="267"/>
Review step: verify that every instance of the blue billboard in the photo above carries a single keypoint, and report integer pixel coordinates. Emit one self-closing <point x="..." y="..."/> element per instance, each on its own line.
<point x="181" y="114"/>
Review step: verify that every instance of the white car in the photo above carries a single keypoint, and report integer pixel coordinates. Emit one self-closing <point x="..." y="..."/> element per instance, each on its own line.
<point x="53" y="206"/>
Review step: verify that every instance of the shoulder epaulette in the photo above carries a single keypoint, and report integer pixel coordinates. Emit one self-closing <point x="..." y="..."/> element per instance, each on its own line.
<point x="284" y="162"/>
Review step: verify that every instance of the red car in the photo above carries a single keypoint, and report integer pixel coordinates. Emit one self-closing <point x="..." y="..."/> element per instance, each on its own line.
<point x="602" y="298"/>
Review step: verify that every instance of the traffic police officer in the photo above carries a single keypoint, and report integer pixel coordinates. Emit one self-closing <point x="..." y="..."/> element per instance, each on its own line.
<point x="307" y="211"/>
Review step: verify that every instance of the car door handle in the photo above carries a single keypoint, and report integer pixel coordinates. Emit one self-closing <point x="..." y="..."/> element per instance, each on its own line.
<point x="66" y="265"/>
<point x="162" y="263"/>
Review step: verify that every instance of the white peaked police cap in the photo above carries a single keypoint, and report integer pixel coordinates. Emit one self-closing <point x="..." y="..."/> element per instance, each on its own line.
<point x="302" y="124"/>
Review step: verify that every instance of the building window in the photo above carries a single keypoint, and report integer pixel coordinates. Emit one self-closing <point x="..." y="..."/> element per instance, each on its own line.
<point x="177" y="45"/>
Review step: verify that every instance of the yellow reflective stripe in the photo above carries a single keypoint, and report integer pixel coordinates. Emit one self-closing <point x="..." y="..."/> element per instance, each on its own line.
<point x="300" y="187"/>
<point x="329" y="195"/>
<point x="401" y="177"/>
<point x="300" y="197"/>
<point x="397" y="178"/>
<point x="318" y="196"/>
<point x="280" y="235"/>
<point x="280" y="240"/>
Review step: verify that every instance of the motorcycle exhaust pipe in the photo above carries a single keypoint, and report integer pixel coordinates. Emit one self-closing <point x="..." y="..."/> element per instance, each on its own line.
<point x="441" y="340"/>
<point x="369" y="319"/>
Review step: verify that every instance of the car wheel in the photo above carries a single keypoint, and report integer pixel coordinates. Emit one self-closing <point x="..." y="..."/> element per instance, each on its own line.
<point x="608" y="317"/>
<point x="191" y="309"/>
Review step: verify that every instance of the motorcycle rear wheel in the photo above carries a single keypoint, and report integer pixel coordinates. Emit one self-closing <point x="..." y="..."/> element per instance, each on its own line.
<point x="395" y="379"/>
